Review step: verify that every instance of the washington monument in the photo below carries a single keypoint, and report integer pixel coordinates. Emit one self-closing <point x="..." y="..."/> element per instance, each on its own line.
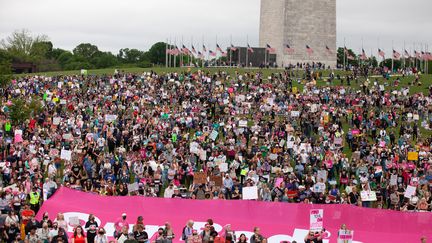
<point x="298" y="23"/>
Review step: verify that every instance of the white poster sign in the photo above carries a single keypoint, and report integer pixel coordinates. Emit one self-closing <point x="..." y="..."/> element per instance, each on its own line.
<point x="316" y="219"/>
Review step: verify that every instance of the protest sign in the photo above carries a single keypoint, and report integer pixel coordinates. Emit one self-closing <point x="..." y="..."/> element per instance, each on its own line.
<point x="74" y="221"/>
<point x="56" y="120"/>
<point x="368" y="196"/>
<point x="322" y="174"/>
<point x="345" y="236"/>
<point x="133" y="187"/>
<point x="410" y="191"/>
<point x="200" y="178"/>
<point x="214" y="135"/>
<point x="66" y="154"/>
<point x="223" y="167"/>
<point x="243" y="123"/>
<point x="412" y="156"/>
<point x="393" y="180"/>
<point x="316" y="219"/>
<point x="250" y="193"/>
<point x="217" y="180"/>
<point x="110" y="118"/>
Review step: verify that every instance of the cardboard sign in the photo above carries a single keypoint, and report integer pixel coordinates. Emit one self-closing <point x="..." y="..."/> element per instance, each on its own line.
<point x="346" y="236"/>
<point x="413" y="156"/>
<point x="316" y="219"/>
<point x="250" y="193"/>
<point x="410" y="191"/>
<point x="368" y="196"/>
<point x="217" y="180"/>
<point x="133" y="187"/>
<point x="66" y="154"/>
<point x="200" y="178"/>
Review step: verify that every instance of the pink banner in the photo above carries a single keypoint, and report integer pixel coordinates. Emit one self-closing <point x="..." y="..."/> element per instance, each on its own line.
<point x="278" y="221"/>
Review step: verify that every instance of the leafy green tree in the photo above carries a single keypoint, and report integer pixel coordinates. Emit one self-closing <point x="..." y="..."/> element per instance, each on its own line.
<point x="127" y="55"/>
<point x="388" y="63"/>
<point x="19" y="111"/>
<point x="5" y="74"/>
<point x="157" y="53"/>
<point x="85" y="50"/>
<point x="21" y="44"/>
<point x="104" y="60"/>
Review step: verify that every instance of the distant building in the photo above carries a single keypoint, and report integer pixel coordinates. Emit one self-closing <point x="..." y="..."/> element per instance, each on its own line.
<point x="257" y="58"/>
<point x="23" y="67"/>
<point x="298" y="23"/>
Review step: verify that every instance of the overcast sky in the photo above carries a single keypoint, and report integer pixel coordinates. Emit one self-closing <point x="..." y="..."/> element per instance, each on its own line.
<point x="112" y="25"/>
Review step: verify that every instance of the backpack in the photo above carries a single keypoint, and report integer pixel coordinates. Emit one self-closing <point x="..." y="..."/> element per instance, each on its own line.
<point x="184" y="237"/>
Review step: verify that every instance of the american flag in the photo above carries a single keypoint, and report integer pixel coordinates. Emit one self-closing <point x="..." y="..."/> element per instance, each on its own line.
<point x="381" y="53"/>
<point x="193" y="50"/>
<point x="185" y="50"/>
<point x="288" y="49"/>
<point x="233" y="48"/>
<point x="250" y="49"/>
<point x="350" y="57"/>
<point x="417" y="54"/>
<point x="363" y="55"/>
<point x="200" y="55"/>
<point x="175" y="51"/>
<point x="426" y="56"/>
<point x="329" y="51"/>
<point x="309" y="50"/>
<point x="270" y="49"/>
<point x="218" y="48"/>
<point x="224" y="54"/>
<point x="396" y="55"/>
<point x="346" y="50"/>
<point x="211" y="53"/>
<point x="407" y="54"/>
<point x="204" y="48"/>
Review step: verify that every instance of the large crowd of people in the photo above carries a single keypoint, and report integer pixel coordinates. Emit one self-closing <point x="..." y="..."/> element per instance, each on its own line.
<point x="206" y="136"/>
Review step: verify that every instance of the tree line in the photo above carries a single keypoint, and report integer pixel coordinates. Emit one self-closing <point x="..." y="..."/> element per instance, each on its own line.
<point x="21" y="46"/>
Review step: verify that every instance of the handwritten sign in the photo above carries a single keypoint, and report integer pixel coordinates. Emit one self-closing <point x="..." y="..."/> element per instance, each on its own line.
<point x="133" y="187"/>
<point x="66" y="154"/>
<point x="393" y="180"/>
<point x="346" y="236"/>
<point x="368" y="196"/>
<point x="217" y="180"/>
<point x="316" y="219"/>
<point x="410" y="191"/>
<point x="250" y="193"/>
<point x="200" y="178"/>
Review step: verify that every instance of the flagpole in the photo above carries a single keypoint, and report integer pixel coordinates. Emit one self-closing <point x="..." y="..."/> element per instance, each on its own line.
<point x="169" y="51"/>
<point x="216" y="53"/>
<point x="344" y="63"/>
<point x="392" y="58"/>
<point x="247" y="51"/>
<point x="230" y="51"/>
<point x="175" y="56"/>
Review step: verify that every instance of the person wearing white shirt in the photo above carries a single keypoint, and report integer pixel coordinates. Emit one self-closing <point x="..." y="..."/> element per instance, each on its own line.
<point x="169" y="191"/>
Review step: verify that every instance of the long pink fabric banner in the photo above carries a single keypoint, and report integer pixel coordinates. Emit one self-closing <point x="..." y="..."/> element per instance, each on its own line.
<point x="278" y="221"/>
